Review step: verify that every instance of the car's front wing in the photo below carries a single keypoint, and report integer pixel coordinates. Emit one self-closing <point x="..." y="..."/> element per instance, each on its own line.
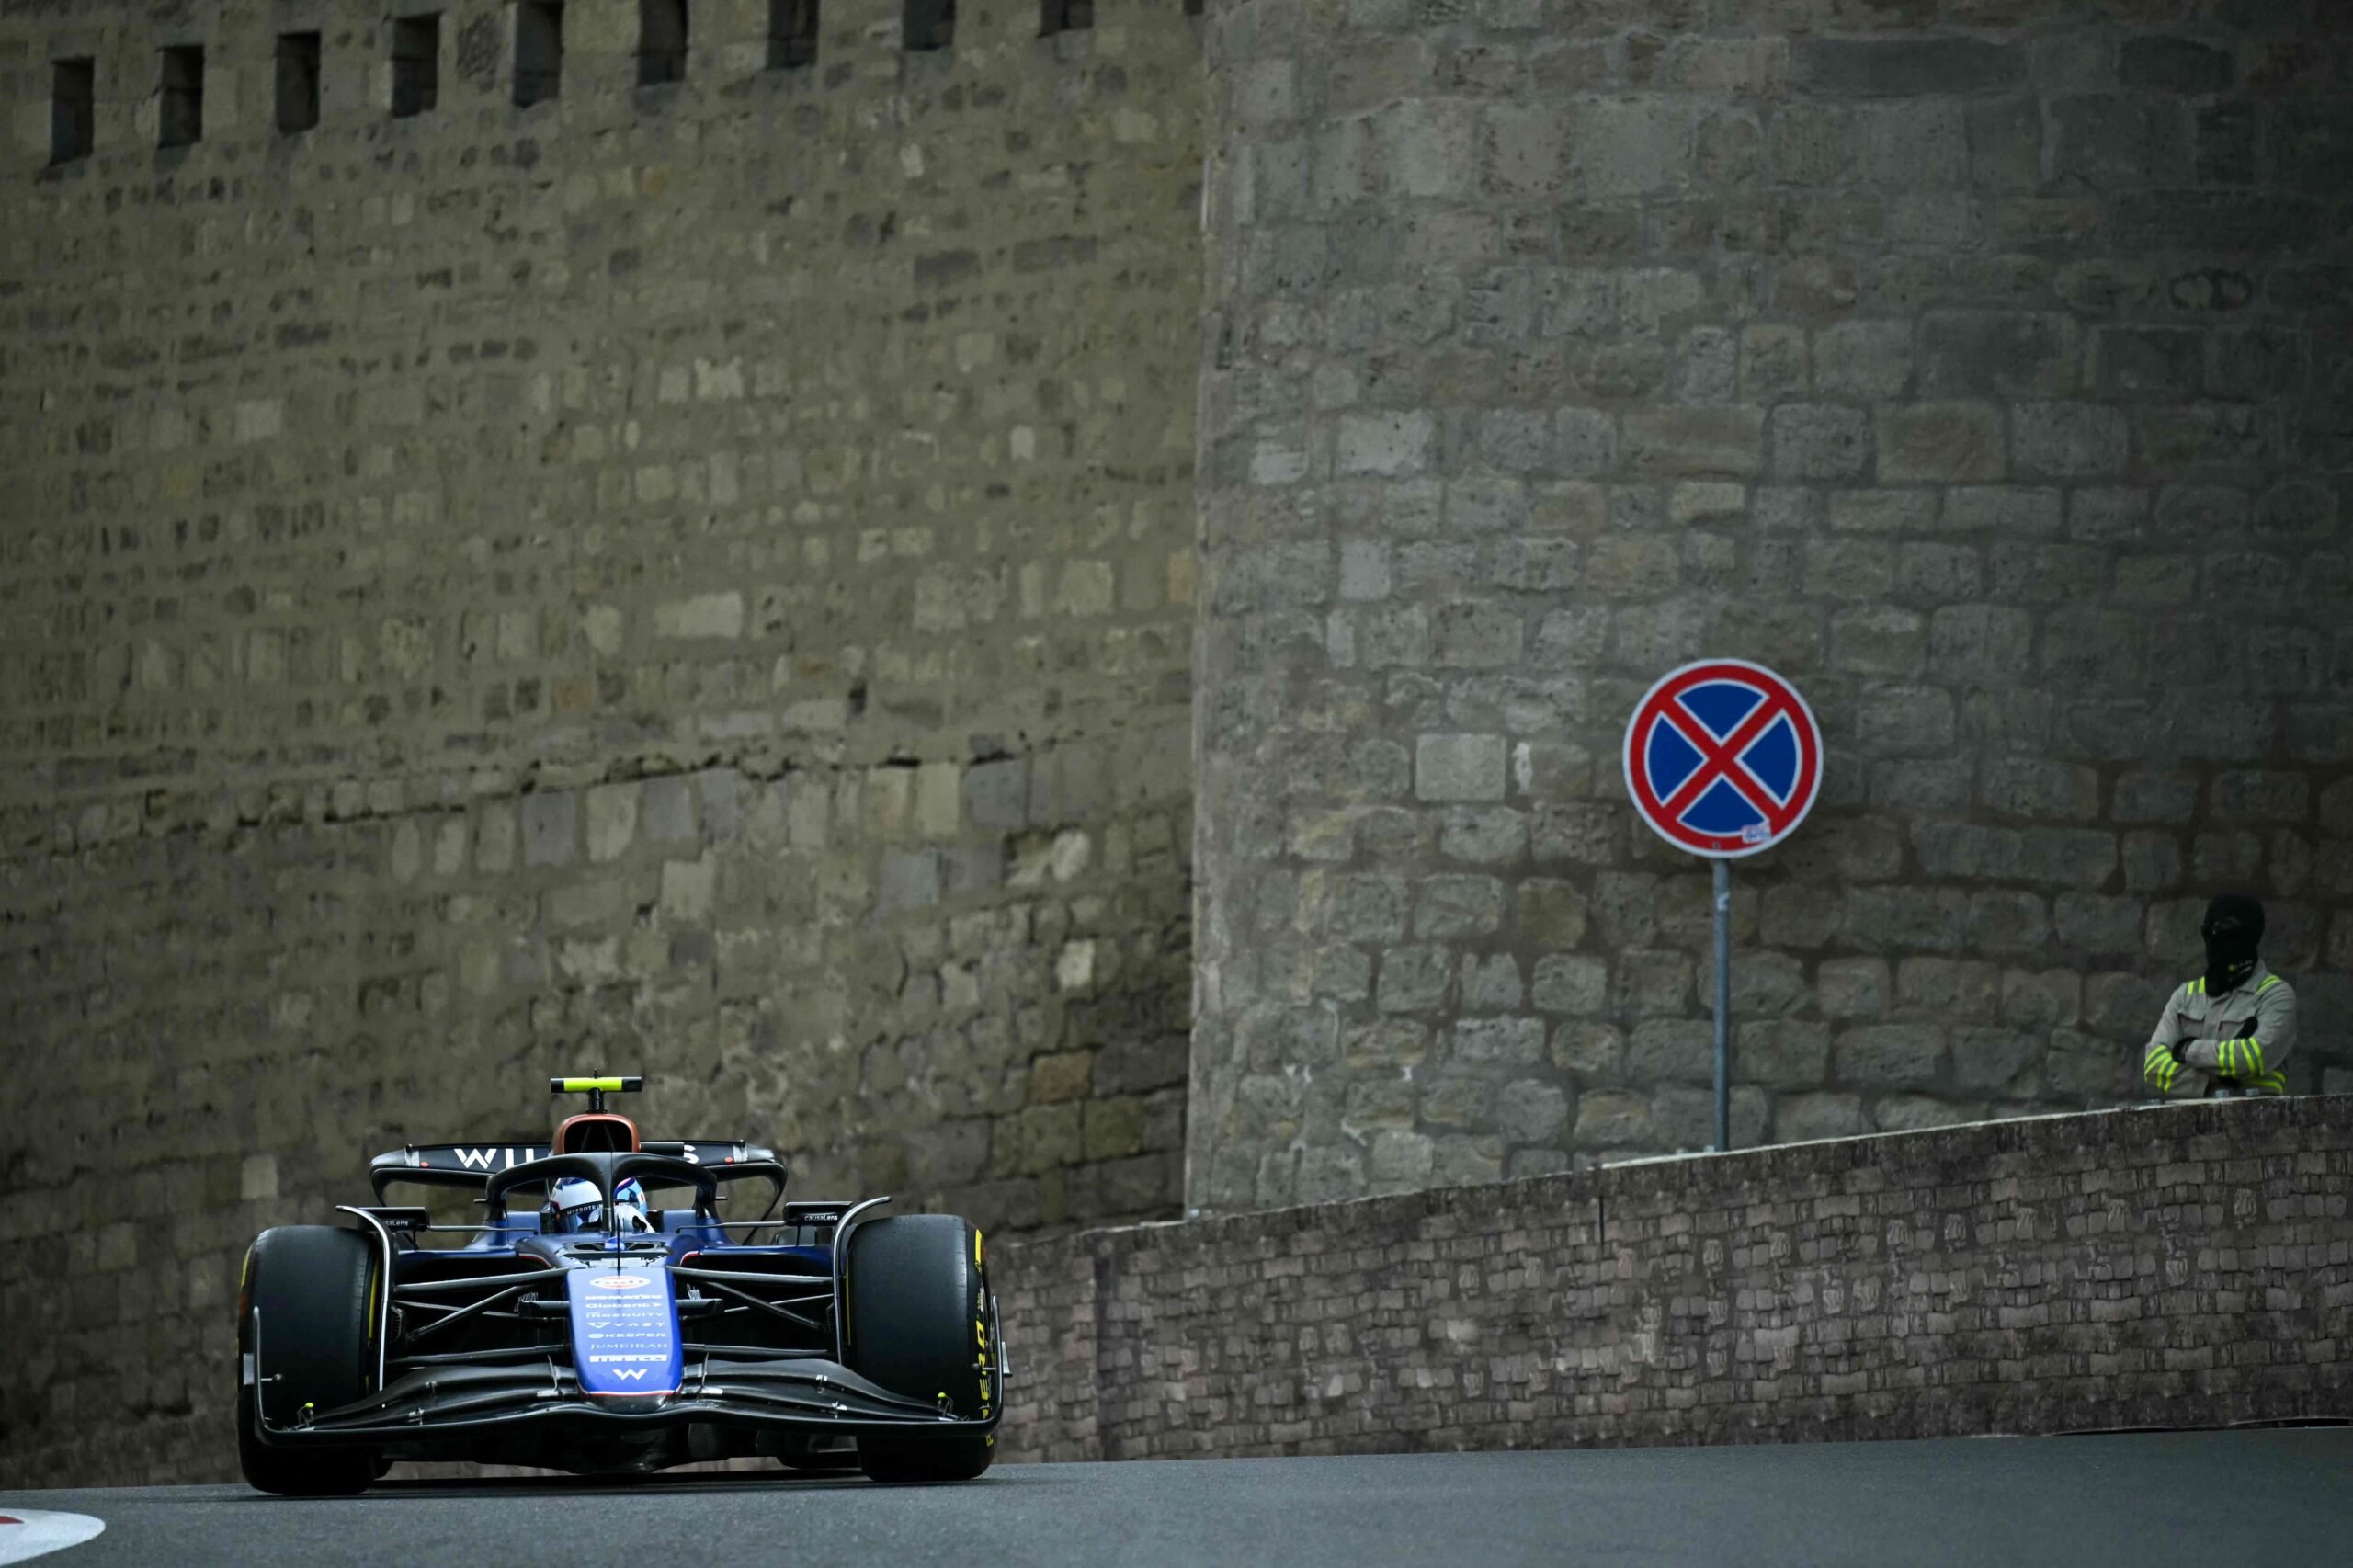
<point x="801" y="1392"/>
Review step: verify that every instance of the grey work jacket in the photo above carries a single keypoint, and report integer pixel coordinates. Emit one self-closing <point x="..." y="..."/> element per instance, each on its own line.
<point x="2241" y="1038"/>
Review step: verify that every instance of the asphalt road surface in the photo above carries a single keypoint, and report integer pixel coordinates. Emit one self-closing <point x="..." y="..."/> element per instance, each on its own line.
<point x="2212" y="1499"/>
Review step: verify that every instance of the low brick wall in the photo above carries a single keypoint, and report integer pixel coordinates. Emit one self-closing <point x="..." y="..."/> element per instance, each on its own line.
<point x="2184" y="1265"/>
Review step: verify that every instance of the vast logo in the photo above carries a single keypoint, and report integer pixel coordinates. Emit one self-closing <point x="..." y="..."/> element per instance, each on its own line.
<point x="621" y="1282"/>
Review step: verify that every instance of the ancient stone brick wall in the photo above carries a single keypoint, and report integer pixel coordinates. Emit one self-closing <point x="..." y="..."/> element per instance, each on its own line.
<point x="1986" y="366"/>
<point x="693" y="579"/>
<point x="2179" y="1265"/>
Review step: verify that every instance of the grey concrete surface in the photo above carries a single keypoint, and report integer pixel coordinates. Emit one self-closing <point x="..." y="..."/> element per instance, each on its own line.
<point x="2213" y="1499"/>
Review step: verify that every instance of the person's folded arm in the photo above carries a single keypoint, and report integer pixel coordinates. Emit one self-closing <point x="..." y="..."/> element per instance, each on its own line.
<point x="2161" y="1068"/>
<point x="2260" y="1055"/>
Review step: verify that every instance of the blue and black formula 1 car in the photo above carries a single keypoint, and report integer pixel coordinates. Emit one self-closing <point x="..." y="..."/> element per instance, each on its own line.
<point x="582" y="1328"/>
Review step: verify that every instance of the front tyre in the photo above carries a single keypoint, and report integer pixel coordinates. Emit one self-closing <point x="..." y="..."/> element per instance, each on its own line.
<point x="916" y="1304"/>
<point x="315" y="1291"/>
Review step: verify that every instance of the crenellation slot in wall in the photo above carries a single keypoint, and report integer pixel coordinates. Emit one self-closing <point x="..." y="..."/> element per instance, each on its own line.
<point x="297" y="82"/>
<point x="661" y="42"/>
<point x="73" y="109"/>
<point x="792" y="34"/>
<point x="416" y="66"/>
<point x="929" y="25"/>
<point x="539" y="51"/>
<point x="181" y="91"/>
<point x="1064" y="17"/>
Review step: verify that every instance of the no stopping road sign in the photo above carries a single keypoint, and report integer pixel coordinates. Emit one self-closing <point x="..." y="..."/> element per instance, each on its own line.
<point x="1723" y="758"/>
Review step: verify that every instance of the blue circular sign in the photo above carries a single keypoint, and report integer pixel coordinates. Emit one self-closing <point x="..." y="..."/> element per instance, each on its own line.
<point x="1723" y="758"/>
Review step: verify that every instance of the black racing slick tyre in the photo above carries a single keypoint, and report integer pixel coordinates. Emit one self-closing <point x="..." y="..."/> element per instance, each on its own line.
<point x="307" y="1318"/>
<point x="918" y="1324"/>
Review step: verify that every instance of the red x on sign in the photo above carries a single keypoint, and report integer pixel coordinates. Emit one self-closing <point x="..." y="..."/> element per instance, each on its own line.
<point x="1723" y="758"/>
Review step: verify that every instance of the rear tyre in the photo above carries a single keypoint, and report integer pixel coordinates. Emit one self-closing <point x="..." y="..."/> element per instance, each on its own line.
<point x="315" y="1290"/>
<point x="918" y="1313"/>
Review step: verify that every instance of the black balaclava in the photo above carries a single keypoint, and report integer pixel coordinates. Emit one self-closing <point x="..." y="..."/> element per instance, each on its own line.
<point x="2233" y="929"/>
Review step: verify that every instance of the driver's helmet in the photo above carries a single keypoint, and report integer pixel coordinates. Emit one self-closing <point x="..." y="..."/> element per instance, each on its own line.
<point x="576" y="1204"/>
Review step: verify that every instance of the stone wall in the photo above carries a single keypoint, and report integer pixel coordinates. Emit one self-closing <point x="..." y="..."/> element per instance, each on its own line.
<point x="2178" y="1266"/>
<point x="693" y="579"/>
<point x="700" y="577"/>
<point x="1985" y="366"/>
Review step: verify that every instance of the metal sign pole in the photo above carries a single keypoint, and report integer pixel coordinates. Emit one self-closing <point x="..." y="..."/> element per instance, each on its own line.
<point x="1723" y="1006"/>
<point x="1722" y="759"/>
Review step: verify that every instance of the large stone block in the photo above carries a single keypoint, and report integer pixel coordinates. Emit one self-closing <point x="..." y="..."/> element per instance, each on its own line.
<point x="1686" y="1116"/>
<point x="1571" y="983"/>
<point x="1608" y="1119"/>
<point x="1454" y="906"/>
<point x="612" y="819"/>
<point x="1908" y="67"/>
<point x="1802" y="1118"/>
<point x="1663" y="1051"/>
<point x="2003" y="354"/>
<point x="1459" y="767"/>
<point x="1889" y="1055"/>
<point x="1990" y="1060"/>
<point x="1514" y="1042"/>
<point x="1413" y="979"/>
<point x="1819" y="441"/>
<point x="1980" y="644"/>
<point x="2107" y="142"/>
<point x="1781" y="1053"/>
<point x="1628" y="147"/>
<point x="1947" y="442"/>
<point x="2174" y="64"/>
<point x="1385" y="444"/>
<point x="1551" y="913"/>
<point x="2067" y="439"/>
<point x="1695" y="442"/>
<point x="550" y="827"/>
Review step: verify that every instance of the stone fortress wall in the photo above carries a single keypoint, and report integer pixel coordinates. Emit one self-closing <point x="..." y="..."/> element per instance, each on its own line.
<point x="693" y="579"/>
<point x="1985" y="366"/>
<point x="705" y="574"/>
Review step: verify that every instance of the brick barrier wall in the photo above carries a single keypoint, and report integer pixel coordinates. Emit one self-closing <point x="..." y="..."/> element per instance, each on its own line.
<point x="2186" y="1265"/>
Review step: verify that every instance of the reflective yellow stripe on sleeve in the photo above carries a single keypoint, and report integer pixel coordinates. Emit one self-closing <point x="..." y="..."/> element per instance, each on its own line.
<point x="2269" y="982"/>
<point x="2241" y="1058"/>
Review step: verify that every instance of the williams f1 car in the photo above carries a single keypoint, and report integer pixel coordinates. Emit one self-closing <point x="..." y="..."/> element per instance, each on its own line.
<point x="583" y="1327"/>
